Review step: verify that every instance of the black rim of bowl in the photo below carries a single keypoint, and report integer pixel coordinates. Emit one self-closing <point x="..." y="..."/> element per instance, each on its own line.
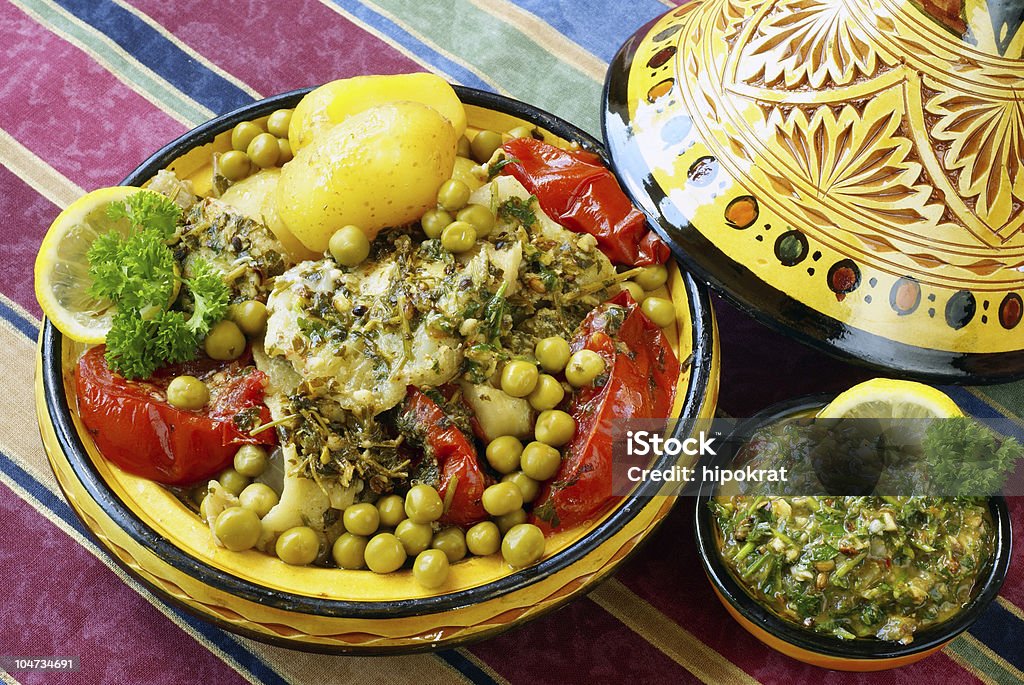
<point x="59" y="412"/>
<point x="866" y="649"/>
<point x="738" y="284"/>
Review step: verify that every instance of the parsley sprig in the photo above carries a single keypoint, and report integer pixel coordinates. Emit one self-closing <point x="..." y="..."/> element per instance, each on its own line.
<point x="139" y="274"/>
<point x="965" y="457"/>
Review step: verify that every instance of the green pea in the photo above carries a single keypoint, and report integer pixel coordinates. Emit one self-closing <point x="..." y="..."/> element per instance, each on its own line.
<point x="552" y="353"/>
<point x="483" y="539"/>
<point x="451" y="541"/>
<point x="540" y="461"/>
<point x="361" y="519"/>
<point x="225" y="341"/>
<point x="237" y="528"/>
<point x="384" y="553"/>
<point x="659" y="310"/>
<point x="232" y="481"/>
<point x="554" y="427"/>
<point x="463" y="148"/>
<point x="584" y="366"/>
<point x="298" y="546"/>
<point x="430" y="568"/>
<point x="349" y="246"/>
<point x="284" y="151"/>
<point x="233" y="165"/>
<point x="349" y="551"/>
<point x="522" y="545"/>
<point x="278" y="122"/>
<point x="484" y="144"/>
<point x="547" y="394"/>
<point x="250" y="316"/>
<point x="251" y="460"/>
<point x="528" y="486"/>
<point x="521" y="132"/>
<point x="503" y="453"/>
<point x="502" y="498"/>
<point x="187" y="392"/>
<point x="652" y="277"/>
<point x="415" y="537"/>
<point x="453" y="195"/>
<point x="635" y="291"/>
<point x="391" y="510"/>
<point x="434" y="221"/>
<point x="423" y="504"/>
<point x="479" y="217"/>
<point x="519" y="378"/>
<point x="259" y="497"/>
<point x="243" y="134"/>
<point x="506" y="522"/>
<point x="263" y="150"/>
<point x="458" y="237"/>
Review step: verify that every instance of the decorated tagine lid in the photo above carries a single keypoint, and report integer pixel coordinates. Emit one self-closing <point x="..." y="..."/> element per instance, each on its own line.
<point x="847" y="170"/>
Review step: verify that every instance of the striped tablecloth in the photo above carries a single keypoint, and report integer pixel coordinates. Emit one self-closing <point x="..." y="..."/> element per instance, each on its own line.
<point x="90" y="87"/>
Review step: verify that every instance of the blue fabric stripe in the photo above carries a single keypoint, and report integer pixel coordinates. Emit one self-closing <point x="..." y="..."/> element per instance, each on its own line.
<point x="402" y="37"/>
<point x="161" y="55"/>
<point x="465" y="667"/>
<point x="599" y="29"/>
<point x="23" y="325"/>
<point x="1001" y="632"/>
<point x="222" y="639"/>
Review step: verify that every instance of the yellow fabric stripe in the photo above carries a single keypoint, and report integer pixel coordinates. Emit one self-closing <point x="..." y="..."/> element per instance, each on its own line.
<point x="546" y="36"/>
<point x="669" y="637"/>
<point x="1007" y="413"/>
<point x="963" y="663"/>
<point x="405" y="26"/>
<point x="159" y="28"/>
<point x="30" y="168"/>
<point x="8" y="678"/>
<point x="1010" y="606"/>
<point x="347" y="16"/>
<point x="1015" y="673"/>
<point x="103" y="50"/>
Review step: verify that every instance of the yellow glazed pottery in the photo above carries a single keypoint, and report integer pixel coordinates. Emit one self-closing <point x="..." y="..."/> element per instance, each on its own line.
<point x="163" y="542"/>
<point x="850" y="171"/>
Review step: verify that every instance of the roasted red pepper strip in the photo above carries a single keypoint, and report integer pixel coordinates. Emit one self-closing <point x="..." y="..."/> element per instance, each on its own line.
<point x="135" y="427"/>
<point x="575" y="189"/>
<point x="641" y="381"/>
<point x="456" y="460"/>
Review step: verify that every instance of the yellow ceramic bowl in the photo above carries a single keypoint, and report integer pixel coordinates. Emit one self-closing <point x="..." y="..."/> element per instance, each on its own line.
<point x="159" y="540"/>
<point x="786" y="637"/>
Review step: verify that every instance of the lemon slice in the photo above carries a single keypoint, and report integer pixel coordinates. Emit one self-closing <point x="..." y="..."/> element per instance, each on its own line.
<point x="883" y="398"/>
<point x="62" y="266"/>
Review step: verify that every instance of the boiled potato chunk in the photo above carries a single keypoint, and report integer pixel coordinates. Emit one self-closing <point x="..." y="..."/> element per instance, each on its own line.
<point x="334" y="102"/>
<point x="256" y="198"/>
<point x="381" y="167"/>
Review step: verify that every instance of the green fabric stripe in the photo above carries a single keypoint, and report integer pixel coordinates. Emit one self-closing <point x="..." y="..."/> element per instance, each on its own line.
<point x="985" y="664"/>
<point x="520" y="66"/>
<point x="166" y="97"/>
<point x="1008" y="396"/>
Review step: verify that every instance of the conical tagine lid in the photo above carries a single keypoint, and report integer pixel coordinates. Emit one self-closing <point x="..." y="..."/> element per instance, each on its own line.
<point x="851" y="171"/>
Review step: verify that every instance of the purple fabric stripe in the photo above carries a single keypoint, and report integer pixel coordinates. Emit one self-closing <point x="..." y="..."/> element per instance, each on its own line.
<point x="311" y="43"/>
<point x="59" y="103"/>
<point x="70" y="604"/>
<point x="20" y="243"/>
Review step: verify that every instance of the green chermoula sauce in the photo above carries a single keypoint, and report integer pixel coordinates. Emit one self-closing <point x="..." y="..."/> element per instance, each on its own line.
<point x="857" y="567"/>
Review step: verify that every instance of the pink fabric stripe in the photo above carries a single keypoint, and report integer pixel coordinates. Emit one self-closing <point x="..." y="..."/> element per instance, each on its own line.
<point x="676" y="584"/>
<point x="277" y="47"/>
<point x="77" y="607"/>
<point x="69" y="110"/>
<point x="35" y="213"/>
<point x="580" y="643"/>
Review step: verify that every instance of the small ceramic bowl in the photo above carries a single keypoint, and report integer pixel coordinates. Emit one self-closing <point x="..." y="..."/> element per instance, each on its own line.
<point x="159" y="540"/>
<point x="861" y="654"/>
